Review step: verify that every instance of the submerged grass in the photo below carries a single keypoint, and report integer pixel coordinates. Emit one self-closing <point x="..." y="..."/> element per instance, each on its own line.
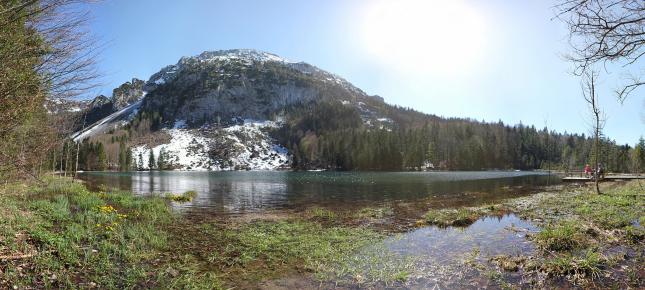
<point x="260" y="250"/>
<point x="584" y="236"/>
<point x="61" y="235"/>
<point x="374" y="213"/>
<point x="319" y="213"/>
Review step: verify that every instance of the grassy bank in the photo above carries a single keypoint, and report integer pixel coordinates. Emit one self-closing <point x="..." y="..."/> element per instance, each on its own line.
<point x="58" y="234"/>
<point x="585" y="238"/>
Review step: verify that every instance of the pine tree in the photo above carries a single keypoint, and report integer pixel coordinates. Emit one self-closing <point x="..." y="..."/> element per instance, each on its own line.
<point x="128" y="159"/>
<point x="638" y="156"/>
<point x="123" y="156"/>
<point x="102" y="158"/>
<point x="140" y="161"/>
<point x="161" y="162"/>
<point x="151" y="160"/>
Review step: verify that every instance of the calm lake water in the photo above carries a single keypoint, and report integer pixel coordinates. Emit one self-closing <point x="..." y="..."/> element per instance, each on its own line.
<point x="433" y="257"/>
<point x="253" y="191"/>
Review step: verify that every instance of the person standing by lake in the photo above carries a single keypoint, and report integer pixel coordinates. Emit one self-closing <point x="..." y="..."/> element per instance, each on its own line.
<point x="587" y="170"/>
<point x="600" y="171"/>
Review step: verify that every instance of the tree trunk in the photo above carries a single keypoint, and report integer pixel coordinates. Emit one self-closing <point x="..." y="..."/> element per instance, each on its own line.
<point x="62" y="153"/>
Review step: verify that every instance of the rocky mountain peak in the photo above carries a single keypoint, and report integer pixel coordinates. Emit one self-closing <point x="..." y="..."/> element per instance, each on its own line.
<point x="241" y="54"/>
<point x="99" y="101"/>
<point x="127" y="93"/>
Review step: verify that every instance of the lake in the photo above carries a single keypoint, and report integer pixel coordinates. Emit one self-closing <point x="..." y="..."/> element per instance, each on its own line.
<point x="241" y="192"/>
<point x="433" y="257"/>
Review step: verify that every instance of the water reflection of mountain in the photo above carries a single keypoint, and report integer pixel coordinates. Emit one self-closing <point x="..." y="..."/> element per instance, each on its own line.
<point x="226" y="193"/>
<point x="240" y="192"/>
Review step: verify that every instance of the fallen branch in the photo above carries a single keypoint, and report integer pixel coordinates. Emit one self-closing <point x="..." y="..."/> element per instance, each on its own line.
<point x="23" y="256"/>
<point x="18" y="257"/>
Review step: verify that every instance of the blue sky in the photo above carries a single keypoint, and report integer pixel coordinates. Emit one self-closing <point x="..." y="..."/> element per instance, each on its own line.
<point x="486" y="60"/>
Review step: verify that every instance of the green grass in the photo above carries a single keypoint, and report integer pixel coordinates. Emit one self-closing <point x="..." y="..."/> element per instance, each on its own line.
<point x="464" y="216"/>
<point x="374" y="213"/>
<point x="78" y="237"/>
<point x="185" y="197"/>
<point x="580" y="228"/>
<point x="113" y="239"/>
<point x="563" y="236"/>
<point x="589" y="265"/>
<point x="318" y="213"/>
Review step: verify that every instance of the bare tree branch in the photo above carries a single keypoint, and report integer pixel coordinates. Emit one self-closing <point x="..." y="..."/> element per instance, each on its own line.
<point x="602" y="31"/>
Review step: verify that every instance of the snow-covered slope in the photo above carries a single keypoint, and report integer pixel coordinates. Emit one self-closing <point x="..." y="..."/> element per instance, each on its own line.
<point x="112" y="121"/>
<point x="240" y="147"/>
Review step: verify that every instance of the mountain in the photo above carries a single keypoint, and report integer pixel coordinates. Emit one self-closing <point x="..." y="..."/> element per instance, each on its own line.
<point x="240" y="84"/>
<point x="101" y="107"/>
<point x="215" y="110"/>
<point x="248" y="109"/>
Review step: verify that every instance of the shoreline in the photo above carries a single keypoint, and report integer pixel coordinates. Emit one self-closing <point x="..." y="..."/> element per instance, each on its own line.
<point x="64" y="222"/>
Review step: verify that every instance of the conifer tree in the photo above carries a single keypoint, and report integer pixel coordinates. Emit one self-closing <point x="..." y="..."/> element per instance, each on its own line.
<point x="151" y="160"/>
<point x="161" y="162"/>
<point x="102" y="158"/>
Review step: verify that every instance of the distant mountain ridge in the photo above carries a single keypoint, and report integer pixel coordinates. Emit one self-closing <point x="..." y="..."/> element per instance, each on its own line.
<point x="249" y="109"/>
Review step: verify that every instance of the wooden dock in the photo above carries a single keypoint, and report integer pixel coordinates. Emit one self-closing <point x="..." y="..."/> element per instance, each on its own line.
<point x="607" y="177"/>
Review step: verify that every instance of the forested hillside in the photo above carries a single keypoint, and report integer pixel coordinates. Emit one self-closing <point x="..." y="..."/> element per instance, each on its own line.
<point x="331" y="136"/>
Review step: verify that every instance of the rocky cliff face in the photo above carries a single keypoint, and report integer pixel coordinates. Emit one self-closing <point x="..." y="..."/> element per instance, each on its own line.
<point x="244" y="84"/>
<point x="123" y="96"/>
<point x="127" y="94"/>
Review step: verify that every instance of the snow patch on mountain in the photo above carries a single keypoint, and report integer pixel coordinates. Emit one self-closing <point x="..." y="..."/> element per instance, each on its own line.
<point x="248" y="55"/>
<point x="112" y="121"/>
<point x="186" y="150"/>
<point x="253" y="147"/>
<point x="243" y="146"/>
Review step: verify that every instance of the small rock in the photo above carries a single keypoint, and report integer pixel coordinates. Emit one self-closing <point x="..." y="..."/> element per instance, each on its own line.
<point x="172" y="272"/>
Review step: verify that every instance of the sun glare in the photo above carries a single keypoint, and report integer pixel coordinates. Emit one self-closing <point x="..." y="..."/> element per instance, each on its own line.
<point x="426" y="35"/>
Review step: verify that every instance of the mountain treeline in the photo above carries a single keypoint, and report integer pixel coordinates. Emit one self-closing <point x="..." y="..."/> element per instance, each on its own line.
<point x="333" y="136"/>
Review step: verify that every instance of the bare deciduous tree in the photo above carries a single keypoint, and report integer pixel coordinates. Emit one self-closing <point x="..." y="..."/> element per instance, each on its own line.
<point x="602" y="31"/>
<point x="45" y="52"/>
<point x="589" y="83"/>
